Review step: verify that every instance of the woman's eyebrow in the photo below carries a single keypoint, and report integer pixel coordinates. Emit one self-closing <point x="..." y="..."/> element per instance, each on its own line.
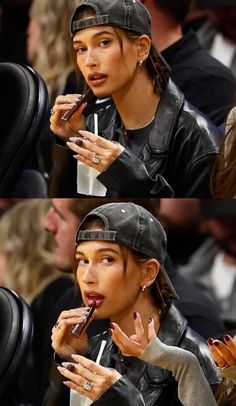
<point x="78" y="252"/>
<point x="94" y="36"/>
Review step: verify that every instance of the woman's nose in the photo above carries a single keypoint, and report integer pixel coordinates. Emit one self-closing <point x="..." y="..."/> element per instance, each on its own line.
<point x="89" y="274"/>
<point x="91" y="59"/>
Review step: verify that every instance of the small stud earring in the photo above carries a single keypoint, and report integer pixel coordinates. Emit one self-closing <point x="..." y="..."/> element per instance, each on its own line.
<point x="140" y="63"/>
<point x="143" y="288"/>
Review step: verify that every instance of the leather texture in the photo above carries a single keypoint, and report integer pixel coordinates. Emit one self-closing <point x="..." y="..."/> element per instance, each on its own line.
<point x="23" y="110"/>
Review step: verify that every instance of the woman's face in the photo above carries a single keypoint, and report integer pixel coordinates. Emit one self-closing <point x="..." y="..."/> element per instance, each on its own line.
<point x="106" y="276"/>
<point x="106" y="68"/>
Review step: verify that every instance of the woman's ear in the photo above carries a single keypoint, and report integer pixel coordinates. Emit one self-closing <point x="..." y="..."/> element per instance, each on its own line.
<point x="150" y="270"/>
<point x="143" y="47"/>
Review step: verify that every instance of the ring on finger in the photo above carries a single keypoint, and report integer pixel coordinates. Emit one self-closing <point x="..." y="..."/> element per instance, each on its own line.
<point x="88" y="386"/>
<point x="52" y="112"/>
<point x="95" y="159"/>
<point x="56" y="325"/>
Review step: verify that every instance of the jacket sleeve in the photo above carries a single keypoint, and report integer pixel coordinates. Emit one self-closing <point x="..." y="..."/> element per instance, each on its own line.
<point x="128" y="176"/>
<point x="123" y="392"/>
<point x="197" y="179"/>
<point x="193" y="388"/>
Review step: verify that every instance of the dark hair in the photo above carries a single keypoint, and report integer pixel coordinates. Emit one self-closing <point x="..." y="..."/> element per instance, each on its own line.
<point x="159" y="289"/>
<point x="223" y="180"/>
<point x="177" y="10"/>
<point x="157" y="67"/>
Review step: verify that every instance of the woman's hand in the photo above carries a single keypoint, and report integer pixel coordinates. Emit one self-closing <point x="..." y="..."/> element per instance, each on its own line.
<point x="224" y="354"/>
<point x="66" y="129"/>
<point x="135" y="344"/>
<point x="64" y="342"/>
<point x="87" y="377"/>
<point x="95" y="151"/>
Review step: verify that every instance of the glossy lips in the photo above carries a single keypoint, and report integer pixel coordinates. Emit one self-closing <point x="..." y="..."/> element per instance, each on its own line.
<point x="96" y="79"/>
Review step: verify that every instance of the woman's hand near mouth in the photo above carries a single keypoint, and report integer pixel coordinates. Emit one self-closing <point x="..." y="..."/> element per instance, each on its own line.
<point x="64" y="342"/>
<point x="66" y="129"/>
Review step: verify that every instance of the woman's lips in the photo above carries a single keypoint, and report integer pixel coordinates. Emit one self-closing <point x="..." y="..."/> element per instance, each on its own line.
<point x="97" y="79"/>
<point x="89" y="299"/>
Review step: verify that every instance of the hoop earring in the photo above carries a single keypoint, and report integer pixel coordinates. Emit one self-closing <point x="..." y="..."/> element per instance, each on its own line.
<point x="140" y="63"/>
<point x="143" y="288"/>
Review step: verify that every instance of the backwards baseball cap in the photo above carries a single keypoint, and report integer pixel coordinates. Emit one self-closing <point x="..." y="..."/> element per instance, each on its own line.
<point x="132" y="226"/>
<point x="129" y="15"/>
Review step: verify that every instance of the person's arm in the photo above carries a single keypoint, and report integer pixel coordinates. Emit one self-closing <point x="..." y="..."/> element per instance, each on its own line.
<point x="224" y="355"/>
<point x="193" y="388"/>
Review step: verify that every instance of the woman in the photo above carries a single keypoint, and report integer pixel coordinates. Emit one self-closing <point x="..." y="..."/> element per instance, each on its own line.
<point x="163" y="147"/>
<point x="224" y="355"/>
<point x="224" y="171"/>
<point x="26" y="251"/>
<point x="120" y="252"/>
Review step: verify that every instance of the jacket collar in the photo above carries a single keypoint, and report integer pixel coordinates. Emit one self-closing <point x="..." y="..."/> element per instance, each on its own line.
<point x="168" y="110"/>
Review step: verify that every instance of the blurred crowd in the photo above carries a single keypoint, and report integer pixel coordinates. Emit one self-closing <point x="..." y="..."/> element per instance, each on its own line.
<point x="37" y="246"/>
<point x="35" y="32"/>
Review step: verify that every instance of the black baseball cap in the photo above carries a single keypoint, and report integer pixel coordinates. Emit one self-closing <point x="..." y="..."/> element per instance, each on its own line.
<point x="129" y="15"/>
<point x="132" y="226"/>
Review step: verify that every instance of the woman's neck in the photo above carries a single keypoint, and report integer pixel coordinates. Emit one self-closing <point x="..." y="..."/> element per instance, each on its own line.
<point x="146" y="308"/>
<point x="137" y="103"/>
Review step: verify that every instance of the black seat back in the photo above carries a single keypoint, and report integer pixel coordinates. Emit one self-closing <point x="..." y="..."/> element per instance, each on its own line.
<point x="23" y="111"/>
<point x="16" y="331"/>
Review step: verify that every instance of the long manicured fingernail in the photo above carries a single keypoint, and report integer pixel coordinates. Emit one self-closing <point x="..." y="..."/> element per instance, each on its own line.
<point x="216" y="343"/>
<point x="226" y="337"/>
<point x="210" y="341"/>
<point x="70" y="367"/>
<point x="111" y="326"/>
<point x="135" y="315"/>
<point x="149" y="320"/>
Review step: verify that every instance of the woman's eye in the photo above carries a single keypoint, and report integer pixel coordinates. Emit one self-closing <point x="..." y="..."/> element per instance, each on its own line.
<point x="104" y="42"/>
<point x="80" y="50"/>
<point x="82" y="261"/>
<point x="107" y="260"/>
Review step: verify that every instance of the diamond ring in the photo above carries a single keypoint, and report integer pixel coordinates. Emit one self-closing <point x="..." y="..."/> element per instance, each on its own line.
<point x="95" y="159"/>
<point x="88" y="386"/>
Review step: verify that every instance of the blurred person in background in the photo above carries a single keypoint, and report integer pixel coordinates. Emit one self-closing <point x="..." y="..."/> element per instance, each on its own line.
<point x="28" y="267"/>
<point x="48" y="53"/>
<point x="47" y="42"/>
<point x="213" y="264"/>
<point x="206" y="83"/>
<point x="223" y="182"/>
<point x="218" y="33"/>
<point x="181" y="219"/>
<point x="27" y="271"/>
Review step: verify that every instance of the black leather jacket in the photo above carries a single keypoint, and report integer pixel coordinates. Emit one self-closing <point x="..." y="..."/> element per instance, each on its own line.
<point x="142" y="384"/>
<point x="149" y="385"/>
<point x="176" y="159"/>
